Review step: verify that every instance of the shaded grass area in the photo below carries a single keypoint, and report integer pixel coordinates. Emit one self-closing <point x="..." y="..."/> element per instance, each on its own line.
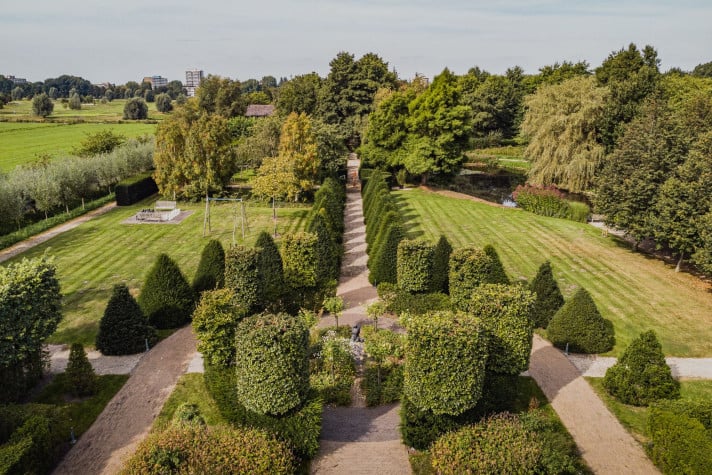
<point x="102" y="252"/>
<point x="25" y="142"/>
<point x="634" y="418"/>
<point x="82" y="413"/>
<point x="635" y="292"/>
<point x="190" y="389"/>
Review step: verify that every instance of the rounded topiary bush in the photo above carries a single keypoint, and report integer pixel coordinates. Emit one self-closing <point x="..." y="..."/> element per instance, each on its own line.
<point x="580" y="324"/>
<point x="192" y="448"/>
<point x="211" y="268"/>
<point x="441" y="264"/>
<point x="415" y="265"/>
<point x="641" y="375"/>
<point x="80" y="376"/>
<point x="469" y="268"/>
<point x="445" y="361"/>
<point x="680" y="436"/>
<point x="124" y="329"/>
<point x="505" y="310"/>
<point x="269" y="269"/>
<point x="214" y="321"/>
<point x="499" y="444"/>
<point x="548" y="296"/>
<point x="272" y="364"/>
<point x="242" y="275"/>
<point x="166" y="297"/>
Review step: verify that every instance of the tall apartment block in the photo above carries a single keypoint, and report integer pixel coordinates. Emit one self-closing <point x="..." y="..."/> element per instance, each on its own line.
<point x="192" y="80"/>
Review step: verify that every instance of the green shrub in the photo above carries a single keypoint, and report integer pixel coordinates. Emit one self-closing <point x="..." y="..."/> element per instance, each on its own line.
<point x="272" y="363"/>
<point x="641" y="375"/>
<point x="269" y="269"/>
<point x="385" y="257"/>
<point x="441" y="265"/>
<point x="326" y="250"/>
<point x="211" y="268"/>
<point x="548" y="296"/>
<point x="80" y="375"/>
<point x="578" y="211"/>
<point x="301" y="260"/>
<point x="700" y="410"/>
<point x="497" y="275"/>
<point x="185" y="449"/>
<point x="242" y="276"/>
<point x="470" y="267"/>
<point x="499" y="444"/>
<point x="504" y="311"/>
<point x="445" y="361"/>
<point x="418" y="304"/>
<point x="415" y="265"/>
<point x="377" y="234"/>
<point x="135" y="188"/>
<point x="166" y="298"/>
<point x="420" y="428"/>
<point x="680" y="444"/>
<point x="382" y="384"/>
<point x="214" y="321"/>
<point x="135" y="109"/>
<point x="123" y="329"/>
<point x="300" y="428"/>
<point x="333" y="370"/>
<point x="549" y="201"/>
<point x="188" y="414"/>
<point x="580" y="325"/>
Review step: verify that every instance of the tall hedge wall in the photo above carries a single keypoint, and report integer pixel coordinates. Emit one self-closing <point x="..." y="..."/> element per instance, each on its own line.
<point x="134" y="189"/>
<point x="300" y="259"/>
<point x="242" y="275"/>
<point x="415" y="265"/>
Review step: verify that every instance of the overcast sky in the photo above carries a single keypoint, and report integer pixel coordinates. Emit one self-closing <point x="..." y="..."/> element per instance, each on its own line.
<point x="123" y="40"/>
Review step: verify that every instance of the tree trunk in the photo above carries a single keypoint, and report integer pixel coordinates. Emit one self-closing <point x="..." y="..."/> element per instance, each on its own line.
<point x="679" y="262"/>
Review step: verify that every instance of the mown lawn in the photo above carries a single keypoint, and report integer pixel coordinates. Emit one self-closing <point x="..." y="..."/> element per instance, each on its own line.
<point x="635" y="419"/>
<point x="102" y="252"/>
<point x="24" y="142"/>
<point x="110" y="112"/>
<point x="190" y="389"/>
<point x="635" y="292"/>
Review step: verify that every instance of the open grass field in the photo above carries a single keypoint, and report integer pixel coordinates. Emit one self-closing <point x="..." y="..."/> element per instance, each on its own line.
<point x="635" y="419"/>
<point x="102" y="252"/>
<point x="635" y="292"/>
<point x="110" y="112"/>
<point x="508" y="157"/>
<point x="24" y="142"/>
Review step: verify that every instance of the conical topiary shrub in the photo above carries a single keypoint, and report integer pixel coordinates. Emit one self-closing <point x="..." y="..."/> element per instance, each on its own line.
<point x="166" y="297"/>
<point x="124" y="329"/>
<point x="641" y="375"/>
<point x="441" y="265"/>
<point x="269" y="269"/>
<point x="497" y="274"/>
<point x="580" y="325"/>
<point x="81" y="379"/>
<point x="211" y="269"/>
<point x="548" y="296"/>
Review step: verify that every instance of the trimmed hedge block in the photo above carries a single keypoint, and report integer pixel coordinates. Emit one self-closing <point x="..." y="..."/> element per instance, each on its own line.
<point x="215" y="320"/>
<point x="580" y="324"/>
<point x="242" y="275"/>
<point x="383" y="265"/>
<point x="415" y="265"/>
<point x="134" y="189"/>
<point x="469" y="268"/>
<point x="300" y="258"/>
<point x="680" y="443"/>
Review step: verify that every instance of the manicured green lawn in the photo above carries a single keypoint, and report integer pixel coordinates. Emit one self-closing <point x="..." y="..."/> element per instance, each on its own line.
<point x="635" y="292"/>
<point x="190" y="389"/>
<point x="635" y="419"/>
<point x="103" y="251"/>
<point x="23" y="142"/>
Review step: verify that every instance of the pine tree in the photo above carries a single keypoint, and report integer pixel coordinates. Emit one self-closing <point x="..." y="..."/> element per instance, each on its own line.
<point x="80" y="376"/>
<point x="548" y="296"/>
<point x="579" y="325"/>
<point x="124" y="329"/>
<point x="166" y="298"/>
<point x="211" y="269"/>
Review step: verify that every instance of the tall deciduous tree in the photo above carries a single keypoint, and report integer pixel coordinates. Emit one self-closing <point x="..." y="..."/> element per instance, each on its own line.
<point x="299" y="94"/>
<point x="42" y="105"/>
<point x="194" y="156"/>
<point x="560" y="121"/>
<point x="222" y="96"/>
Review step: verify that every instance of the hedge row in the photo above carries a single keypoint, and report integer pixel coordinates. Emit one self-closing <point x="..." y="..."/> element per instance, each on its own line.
<point x="326" y="220"/>
<point x="471" y="267"/>
<point x="415" y="265"/>
<point x="134" y="189"/>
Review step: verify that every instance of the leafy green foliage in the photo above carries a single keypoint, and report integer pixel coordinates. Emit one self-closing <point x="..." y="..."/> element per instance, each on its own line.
<point x="269" y="269"/>
<point x="242" y="276"/>
<point x="333" y="370"/>
<point x="214" y="321"/>
<point x="30" y="310"/>
<point x="680" y="442"/>
<point x="166" y="297"/>
<point x="580" y="325"/>
<point x="134" y="109"/>
<point x="549" y="201"/>
<point x="415" y="265"/>
<point x="399" y="301"/>
<point x="220" y="96"/>
<point x="135" y="188"/>
<point x="42" y="105"/>
<point x="300" y="428"/>
<point x="211" y="268"/>
<point x="548" y="296"/>
<point x="641" y="375"/>
<point x="505" y="312"/>
<point x="382" y="384"/>
<point x="163" y="103"/>
<point x="497" y="273"/>
<point x="446" y="354"/>
<point x="441" y="265"/>
<point x="383" y="261"/>
<point x="191" y="448"/>
<point x="420" y="427"/>
<point x="328" y="251"/>
<point x="272" y="363"/>
<point x="80" y="375"/>
<point x="499" y="444"/>
<point x="104" y="141"/>
<point x="301" y="260"/>
<point x="470" y="267"/>
<point x="123" y="329"/>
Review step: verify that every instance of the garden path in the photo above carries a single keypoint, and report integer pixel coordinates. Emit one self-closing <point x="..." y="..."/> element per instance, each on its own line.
<point x="358" y="439"/>
<point x="603" y="442"/>
<point x="128" y="417"/>
<point x="38" y="239"/>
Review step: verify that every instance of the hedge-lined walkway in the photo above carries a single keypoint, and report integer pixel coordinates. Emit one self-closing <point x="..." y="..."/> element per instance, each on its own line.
<point x="358" y="439"/>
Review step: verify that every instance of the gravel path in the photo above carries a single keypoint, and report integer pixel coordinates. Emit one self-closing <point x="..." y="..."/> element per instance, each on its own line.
<point x="127" y="418"/>
<point x="357" y="439"/>
<point x="604" y="444"/>
<point x="594" y="366"/>
<point x="38" y="239"/>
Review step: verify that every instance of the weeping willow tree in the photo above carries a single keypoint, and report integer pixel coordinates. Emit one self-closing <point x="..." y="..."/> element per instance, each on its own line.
<point x="560" y="121"/>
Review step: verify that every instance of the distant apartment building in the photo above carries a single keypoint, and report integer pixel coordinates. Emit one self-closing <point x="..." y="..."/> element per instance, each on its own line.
<point x="192" y="80"/>
<point x="156" y="81"/>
